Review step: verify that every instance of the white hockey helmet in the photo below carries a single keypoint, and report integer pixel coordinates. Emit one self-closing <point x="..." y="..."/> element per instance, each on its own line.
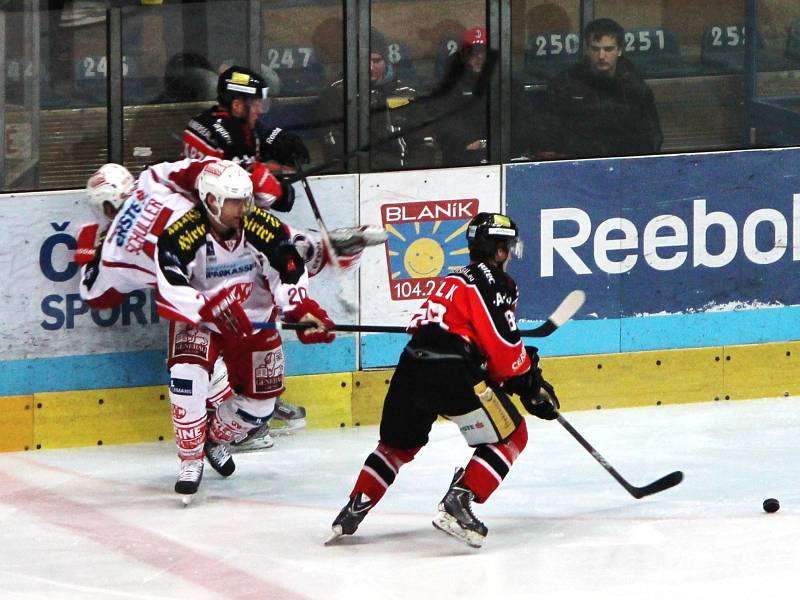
<point x="225" y="180"/>
<point x="111" y="183"/>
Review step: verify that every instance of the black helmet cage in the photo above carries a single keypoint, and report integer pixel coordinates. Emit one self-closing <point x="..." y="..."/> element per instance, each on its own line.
<point x="486" y="229"/>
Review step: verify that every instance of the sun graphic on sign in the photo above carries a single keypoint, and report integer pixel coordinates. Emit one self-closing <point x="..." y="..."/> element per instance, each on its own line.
<point x="426" y="249"/>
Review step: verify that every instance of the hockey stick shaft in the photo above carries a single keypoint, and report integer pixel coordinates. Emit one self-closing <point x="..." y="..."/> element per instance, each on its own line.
<point x="563" y="313"/>
<point x="657" y="486"/>
<point x="541" y="331"/>
<point x="326" y="240"/>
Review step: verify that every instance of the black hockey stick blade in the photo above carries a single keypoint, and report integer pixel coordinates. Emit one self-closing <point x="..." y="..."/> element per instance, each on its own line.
<point x="563" y="313"/>
<point x="659" y="485"/>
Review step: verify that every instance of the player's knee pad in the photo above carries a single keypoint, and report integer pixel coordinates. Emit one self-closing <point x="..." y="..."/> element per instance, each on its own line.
<point x="188" y="387"/>
<point x="517" y="441"/>
<point x="397" y="456"/>
<point x="238" y="415"/>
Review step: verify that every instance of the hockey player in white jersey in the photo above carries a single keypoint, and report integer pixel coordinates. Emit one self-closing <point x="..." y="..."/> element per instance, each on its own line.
<point x="132" y="214"/>
<point x="220" y="267"/>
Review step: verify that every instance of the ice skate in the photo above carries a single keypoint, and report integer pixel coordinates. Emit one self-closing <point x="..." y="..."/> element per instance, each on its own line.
<point x="350" y="517"/>
<point x="351" y="240"/>
<point x="287" y="417"/>
<point x="189" y="479"/>
<point x="219" y="457"/>
<point x="455" y="514"/>
<point x="257" y="439"/>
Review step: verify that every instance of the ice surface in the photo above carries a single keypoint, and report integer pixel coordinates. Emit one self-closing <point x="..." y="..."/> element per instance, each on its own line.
<point x="104" y="523"/>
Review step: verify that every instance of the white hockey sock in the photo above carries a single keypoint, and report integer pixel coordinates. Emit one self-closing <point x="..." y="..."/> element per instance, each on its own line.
<point x="188" y="389"/>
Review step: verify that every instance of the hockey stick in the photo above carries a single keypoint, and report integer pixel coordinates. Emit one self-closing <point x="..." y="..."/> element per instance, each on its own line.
<point x="326" y="240"/>
<point x="657" y="486"/>
<point x="563" y="313"/>
<point x="478" y="92"/>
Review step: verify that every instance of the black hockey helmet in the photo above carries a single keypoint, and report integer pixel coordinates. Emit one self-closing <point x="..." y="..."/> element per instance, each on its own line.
<point x="240" y="82"/>
<point x="486" y="229"/>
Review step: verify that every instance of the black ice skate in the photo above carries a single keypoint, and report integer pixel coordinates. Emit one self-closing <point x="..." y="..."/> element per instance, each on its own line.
<point x="189" y="478"/>
<point x="455" y="514"/>
<point x="219" y="457"/>
<point x="350" y="517"/>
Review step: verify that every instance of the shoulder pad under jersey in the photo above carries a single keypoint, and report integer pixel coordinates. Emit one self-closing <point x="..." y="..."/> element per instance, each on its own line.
<point x="262" y="229"/>
<point x="187" y="234"/>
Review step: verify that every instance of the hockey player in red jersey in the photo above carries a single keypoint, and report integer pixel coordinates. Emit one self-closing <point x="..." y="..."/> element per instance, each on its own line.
<point x="465" y="345"/>
<point x="220" y="267"/>
<point x="228" y="129"/>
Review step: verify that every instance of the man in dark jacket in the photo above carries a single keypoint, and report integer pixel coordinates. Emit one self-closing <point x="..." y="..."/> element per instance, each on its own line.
<point x="600" y="106"/>
<point x="392" y="112"/>
<point x="464" y="135"/>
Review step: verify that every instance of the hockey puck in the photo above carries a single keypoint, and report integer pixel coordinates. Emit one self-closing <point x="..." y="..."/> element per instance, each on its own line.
<point x="771" y="505"/>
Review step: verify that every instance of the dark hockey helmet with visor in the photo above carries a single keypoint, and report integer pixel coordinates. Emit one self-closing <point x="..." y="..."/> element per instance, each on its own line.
<point x="486" y="229"/>
<point x="243" y="83"/>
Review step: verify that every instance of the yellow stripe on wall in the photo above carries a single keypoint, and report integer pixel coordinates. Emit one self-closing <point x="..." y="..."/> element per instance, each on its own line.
<point x="131" y="415"/>
<point x="16" y="423"/>
<point x="97" y="417"/>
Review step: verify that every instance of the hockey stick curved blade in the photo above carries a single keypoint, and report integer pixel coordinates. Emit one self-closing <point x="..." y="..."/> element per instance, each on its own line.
<point x="563" y="313"/>
<point x="660" y="485"/>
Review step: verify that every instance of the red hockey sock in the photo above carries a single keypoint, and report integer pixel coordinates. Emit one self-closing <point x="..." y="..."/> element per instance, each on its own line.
<point x="491" y="462"/>
<point x="380" y="469"/>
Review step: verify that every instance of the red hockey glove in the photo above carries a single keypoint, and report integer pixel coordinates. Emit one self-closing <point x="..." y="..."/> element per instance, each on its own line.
<point x="227" y="313"/>
<point x="309" y="310"/>
<point x="266" y="188"/>
<point x="87" y="246"/>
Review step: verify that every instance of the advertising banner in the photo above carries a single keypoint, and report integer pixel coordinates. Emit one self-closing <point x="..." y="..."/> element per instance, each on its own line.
<point x="426" y="214"/>
<point x="53" y="341"/>
<point x="655" y="240"/>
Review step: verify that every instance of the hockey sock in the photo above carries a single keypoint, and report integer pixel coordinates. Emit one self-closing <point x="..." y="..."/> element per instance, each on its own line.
<point x="380" y="469"/>
<point x="490" y="463"/>
<point x="188" y="388"/>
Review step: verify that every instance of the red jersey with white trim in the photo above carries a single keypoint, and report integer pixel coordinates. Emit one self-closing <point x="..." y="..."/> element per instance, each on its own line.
<point x="126" y="259"/>
<point x="259" y="262"/>
<point x="478" y="303"/>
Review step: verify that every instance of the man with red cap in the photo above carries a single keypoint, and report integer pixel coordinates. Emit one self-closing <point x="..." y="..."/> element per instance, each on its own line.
<point x="463" y="137"/>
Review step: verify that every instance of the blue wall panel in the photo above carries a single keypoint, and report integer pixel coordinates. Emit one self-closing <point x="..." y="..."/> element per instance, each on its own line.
<point x="680" y="251"/>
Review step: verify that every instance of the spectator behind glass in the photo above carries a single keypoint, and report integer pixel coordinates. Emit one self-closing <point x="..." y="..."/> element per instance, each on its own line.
<point x="392" y="111"/>
<point x="188" y="77"/>
<point x="598" y="107"/>
<point x="463" y="136"/>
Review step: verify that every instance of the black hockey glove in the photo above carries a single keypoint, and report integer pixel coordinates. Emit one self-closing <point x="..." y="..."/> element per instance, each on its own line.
<point x="537" y="395"/>
<point x="283" y="147"/>
<point x="545" y="404"/>
<point x="286" y="201"/>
